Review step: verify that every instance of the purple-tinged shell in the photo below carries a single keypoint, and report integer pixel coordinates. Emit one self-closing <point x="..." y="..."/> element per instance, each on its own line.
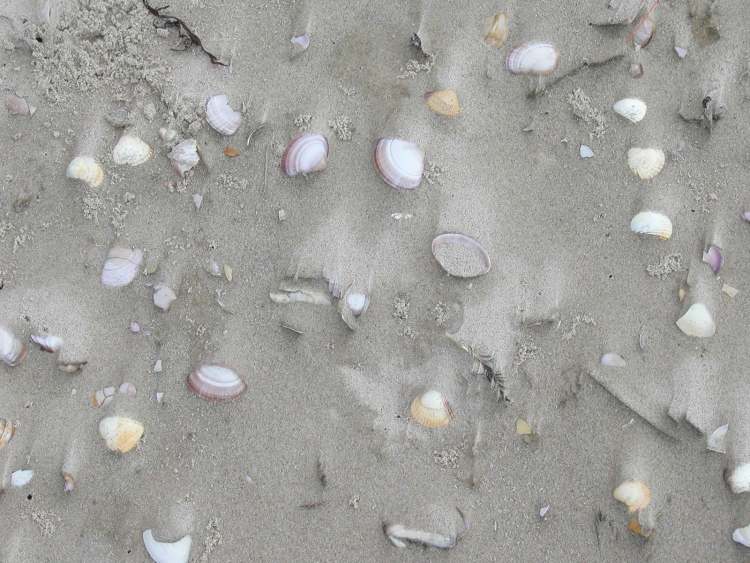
<point x="643" y="31"/>
<point x="460" y="255"/>
<point x="400" y="163"/>
<point x="746" y="216"/>
<point x="714" y="258"/>
<point x="215" y="383"/>
<point x="305" y="153"/>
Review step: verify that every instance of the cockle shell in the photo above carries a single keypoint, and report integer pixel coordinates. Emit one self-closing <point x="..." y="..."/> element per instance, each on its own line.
<point x="716" y="441"/>
<point x="87" y="170"/>
<point x="6" y="432"/>
<point x="12" y="350"/>
<point x="131" y="150"/>
<point x="121" y="434"/>
<point x="697" y="321"/>
<point x="184" y="156"/>
<point x="652" y="223"/>
<point x="400" y="163"/>
<point x="220" y="115"/>
<point x="631" y="109"/>
<point x="167" y="552"/>
<point x="47" y="342"/>
<point x="460" y="255"/>
<point x="634" y="494"/>
<point x="739" y="480"/>
<point x="305" y="153"/>
<point x="534" y="57"/>
<point x="443" y="102"/>
<point x="215" y="383"/>
<point x="17" y="105"/>
<point x="496" y="30"/>
<point x="645" y="163"/>
<point x="121" y="266"/>
<point x="431" y="410"/>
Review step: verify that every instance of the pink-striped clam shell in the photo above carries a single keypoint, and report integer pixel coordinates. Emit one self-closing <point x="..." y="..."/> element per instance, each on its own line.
<point x="220" y="115"/>
<point x="400" y="163"/>
<point x="643" y="31"/>
<point x="534" y="57"/>
<point x="215" y="383"/>
<point x="305" y="153"/>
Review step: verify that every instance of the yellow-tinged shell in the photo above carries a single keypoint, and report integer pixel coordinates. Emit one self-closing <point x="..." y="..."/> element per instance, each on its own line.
<point x="496" y="30"/>
<point x="646" y="163"/>
<point x="6" y="432"/>
<point x="86" y="169"/>
<point x="443" y="102"/>
<point x="431" y="409"/>
<point x="634" y="494"/>
<point x="121" y="434"/>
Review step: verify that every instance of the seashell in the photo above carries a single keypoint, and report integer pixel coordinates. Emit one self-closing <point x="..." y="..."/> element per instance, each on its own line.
<point x="400" y="163"/>
<point x="697" y="321"/>
<point x="496" y="30"/>
<point x="300" y="43"/>
<point x="121" y="266"/>
<point x="645" y="163"/>
<point x="12" y="350"/>
<point x="714" y="258"/>
<point x="121" y="434"/>
<point x="643" y="31"/>
<point x="103" y="397"/>
<point x="745" y="216"/>
<point x="127" y="388"/>
<point x="70" y="467"/>
<point x="231" y="152"/>
<point x="680" y="51"/>
<point x="18" y="106"/>
<point x="131" y="150"/>
<point x="399" y="535"/>
<point x="652" y="223"/>
<point x="613" y="360"/>
<point x="6" y="432"/>
<point x="215" y="383"/>
<point x="184" y="156"/>
<point x="535" y="57"/>
<point x="436" y="526"/>
<point x="634" y="494"/>
<point x="86" y="169"/>
<point x="631" y="109"/>
<point x="431" y="410"/>
<point x="443" y="102"/>
<point x="585" y="151"/>
<point x="742" y="536"/>
<point x="71" y="367"/>
<point x="460" y="255"/>
<point x="739" y="480"/>
<point x="220" y="115"/>
<point x="357" y="301"/>
<point x="167" y="552"/>
<point x="69" y="482"/>
<point x="47" y="342"/>
<point x="305" y="153"/>
<point x="716" y="441"/>
<point x="21" y="477"/>
<point x="163" y="296"/>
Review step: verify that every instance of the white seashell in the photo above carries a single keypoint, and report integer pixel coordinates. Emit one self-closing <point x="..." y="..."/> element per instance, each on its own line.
<point x="613" y="360"/>
<point x="215" y="383"/>
<point x="742" y="536"/>
<point x="652" y="223"/>
<point x="460" y="255"/>
<point x="631" y="109"/>
<point x="400" y="163"/>
<point x="496" y="30"/>
<point x="305" y="153"/>
<point x="645" y="163"/>
<point x="21" y="477"/>
<point x="163" y="296"/>
<point x="86" y="169"/>
<point x="357" y="302"/>
<point x="634" y="494"/>
<point x="585" y="151"/>
<point x="697" y="321"/>
<point x="121" y="266"/>
<point x="220" y="115"/>
<point x="184" y="156"/>
<point x="47" y="342"/>
<point x="166" y="552"/>
<point x="12" y="350"/>
<point x="739" y="480"/>
<point x="121" y="434"/>
<point x="716" y="441"/>
<point x="535" y="57"/>
<point x="399" y="535"/>
<point x="131" y="150"/>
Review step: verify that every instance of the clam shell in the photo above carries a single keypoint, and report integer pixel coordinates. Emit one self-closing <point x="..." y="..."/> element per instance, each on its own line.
<point x="443" y="102"/>
<point x="742" y="536"/>
<point x="184" y="156"/>
<point x="12" y="350"/>
<point x="460" y="255"/>
<point x="652" y="223"/>
<point x="634" y="494"/>
<point x="716" y="441"/>
<point x="6" y="432"/>
<point x="534" y="57"/>
<point x="631" y="109"/>
<point x="431" y="410"/>
<point x="496" y="30"/>
<point x="645" y="163"/>
<point x="120" y="434"/>
<point x="697" y="322"/>
<point x="739" y="480"/>
<point x="18" y="106"/>
<point x="87" y="170"/>
<point x="215" y="383"/>
<point x="131" y="150"/>
<point x="220" y="115"/>
<point x="47" y="342"/>
<point x="400" y="163"/>
<point x="305" y="153"/>
<point x="21" y="477"/>
<point x="121" y="266"/>
<point x="167" y="552"/>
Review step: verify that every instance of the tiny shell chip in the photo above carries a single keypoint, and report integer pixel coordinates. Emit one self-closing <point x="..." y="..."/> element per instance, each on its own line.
<point x="697" y="322"/>
<point x="163" y="296"/>
<point x="631" y="109"/>
<point x="231" y="152"/>
<point x="18" y="106"/>
<point x="714" y="258"/>
<point x="128" y="389"/>
<point x="460" y="255"/>
<point x="716" y="441"/>
<point x="645" y="163"/>
<point x="47" y="342"/>
<point x="215" y="383"/>
<point x="6" y="432"/>
<point x="431" y="410"/>
<point x="636" y="70"/>
<point x="652" y="223"/>
<point x="443" y="102"/>
<point x="739" y="480"/>
<point x="121" y="266"/>
<point x="523" y="428"/>
<point x="121" y="434"/>
<point x="184" y="156"/>
<point x="612" y="359"/>
<point x="131" y="150"/>
<point x="400" y="163"/>
<point x="220" y="115"/>
<point x="12" y="350"/>
<point x="535" y="57"/>
<point x="305" y="153"/>
<point x="300" y="43"/>
<point x="496" y="30"/>
<point x="634" y="494"/>
<point x="21" y="478"/>
<point x="86" y="169"/>
<point x="167" y="552"/>
<point x="585" y="151"/>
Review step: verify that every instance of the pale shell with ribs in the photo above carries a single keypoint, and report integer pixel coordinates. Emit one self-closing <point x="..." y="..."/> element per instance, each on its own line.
<point x="305" y="153"/>
<point x="220" y="115"/>
<point x="400" y="163"/>
<point x="215" y="382"/>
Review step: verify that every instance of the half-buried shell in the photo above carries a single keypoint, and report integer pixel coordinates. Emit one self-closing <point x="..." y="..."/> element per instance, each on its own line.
<point x="87" y="170"/>
<point x="131" y="150"/>
<point x="184" y="156"/>
<point x="167" y="552"/>
<point x="121" y="266"/>
<point x="697" y="322"/>
<point x="121" y="434"/>
<point x="646" y="163"/>
<point x="400" y="163"/>
<point x="305" y="153"/>
<point x="652" y="223"/>
<point x="460" y="255"/>
<point x="6" y="432"/>
<point x="220" y="115"/>
<point x="631" y="109"/>
<point x="215" y="383"/>
<point x="443" y="102"/>
<point x="535" y="57"/>
<point x="431" y="409"/>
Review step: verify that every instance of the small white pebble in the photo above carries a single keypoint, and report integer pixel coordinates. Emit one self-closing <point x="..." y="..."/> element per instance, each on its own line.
<point x="135" y="328"/>
<point x="282" y="215"/>
<point x="21" y="477"/>
<point x="197" y="200"/>
<point x="157" y="366"/>
<point x="585" y="151"/>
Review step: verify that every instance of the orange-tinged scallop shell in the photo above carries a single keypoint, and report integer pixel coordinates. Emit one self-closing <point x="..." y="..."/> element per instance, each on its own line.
<point x="431" y="409"/>
<point x="443" y="102"/>
<point x="6" y="432"/>
<point x="121" y="434"/>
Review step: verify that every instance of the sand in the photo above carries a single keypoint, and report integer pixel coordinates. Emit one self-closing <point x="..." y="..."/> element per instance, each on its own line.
<point x="319" y="452"/>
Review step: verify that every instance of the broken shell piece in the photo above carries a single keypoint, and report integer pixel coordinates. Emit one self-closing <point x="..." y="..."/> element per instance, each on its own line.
<point x="697" y="321"/>
<point x="523" y="428"/>
<point x="643" y="30"/>
<point x="716" y="441"/>
<point x="121" y="266"/>
<point x="220" y="115"/>
<point x="18" y="106"/>
<point x="69" y="482"/>
<point x="634" y="494"/>
<point x="167" y="552"/>
<point x="21" y="478"/>
<point x="87" y="170"/>
<point x="611" y="359"/>
<point x="436" y="526"/>
<point x="681" y="51"/>
<point x="71" y="367"/>
<point x="102" y="397"/>
<point x="47" y="342"/>
<point x="535" y="58"/>
<point x="652" y="223"/>
<point x="184" y="156"/>
<point x="399" y="535"/>
<point x="645" y="163"/>
<point x="745" y="216"/>
<point x="496" y="30"/>
<point x="300" y="43"/>
<point x="431" y="410"/>
<point x="6" y="432"/>
<point x="215" y="383"/>
<point x="714" y="258"/>
<point x="131" y="150"/>
<point x="742" y="536"/>
<point x="121" y="434"/>
<point x="729" y="290"/>
<point x="12" y="350"/>
<point x="631" y="109"/>
<point x="305" y="153"/>
<point x="167" y="135"/>
<point x="127" y="388"/>
<point x="739" y="480"/>
<point x="635" y="526"/>
<point x="544" y="511"/>
<point x="460" y="255"/>
<point x="163" y="296"/>
<point x="400" y="163"/>
<point x="443" y="102"/>
<point x="197" y="201"/>
<point x="636" y="70"/>
<point x="231" y="152"/>
<point x="584" y="151"/>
